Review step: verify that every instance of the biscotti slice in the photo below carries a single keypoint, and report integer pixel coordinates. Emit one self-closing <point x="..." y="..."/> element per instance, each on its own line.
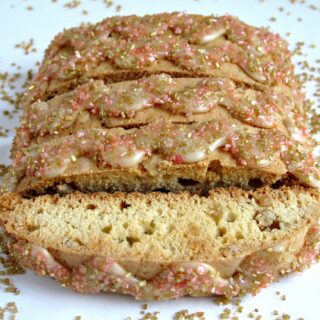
<point x="163" y="133"/>
<point x="131" y="104"/>
<point x="163" y="246"/>
<point x="179" y="44"/>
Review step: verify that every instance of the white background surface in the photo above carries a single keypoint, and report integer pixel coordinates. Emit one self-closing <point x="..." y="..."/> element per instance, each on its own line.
<point x="42" y="298"/>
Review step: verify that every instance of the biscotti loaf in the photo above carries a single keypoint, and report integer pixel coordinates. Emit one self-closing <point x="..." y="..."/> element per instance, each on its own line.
<point x="162" y="246"/>
<point x="179" y="44"/>
<point x="165" y="103"/>
<point x="163" y="133"/>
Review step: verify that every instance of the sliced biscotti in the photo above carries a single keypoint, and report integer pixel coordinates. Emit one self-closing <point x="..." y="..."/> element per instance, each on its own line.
<point x="162" y="133"/>
<point x="243" y="126"/>
<point x="183" y="45"/>
<point x="161" y="246"/>
<point x="161" y="155"/>
<point x="179" y="100"/>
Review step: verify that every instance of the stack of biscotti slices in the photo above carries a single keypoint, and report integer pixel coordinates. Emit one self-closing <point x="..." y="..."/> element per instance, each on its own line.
<point x="163" y="156"/>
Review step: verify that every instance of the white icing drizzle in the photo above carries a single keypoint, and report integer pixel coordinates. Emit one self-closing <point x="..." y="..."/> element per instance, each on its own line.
<point x="200" y="267"/>
<point x="212" y="35"/>
<point x="119" y="271"/>
<point x="278" y="248"/>
<point x="308" y="179"/>
<point x="294" y="131"/>
<point x="194" y="156"/>
<point x="200" y="154"/>
<point x="44" y="253"/>
<point x="131" y="160"/>
<point x="57" y="170"/>
<point x="217" y="144"/>
<point x="132" y="99"/>
<point x="255" y="75"/>
<point x="265" y="122"/>
<point x="313" y="182"/>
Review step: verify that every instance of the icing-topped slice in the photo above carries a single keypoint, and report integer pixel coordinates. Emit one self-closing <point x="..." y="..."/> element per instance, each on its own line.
<point x="179" y="100"/>
<point x="125" y="48"/>
<point x="163" y="132"/>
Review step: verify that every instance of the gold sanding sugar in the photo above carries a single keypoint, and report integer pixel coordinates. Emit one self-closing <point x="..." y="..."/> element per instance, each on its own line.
<point x="185" y="315"/>
<point x="26" y="46"/>
<point x="284" y="297"/>
<point x="108" y="3"/>
<point x="151" y="316"/>
<point x="9" y="311"/>
<point x="72" y="4"/>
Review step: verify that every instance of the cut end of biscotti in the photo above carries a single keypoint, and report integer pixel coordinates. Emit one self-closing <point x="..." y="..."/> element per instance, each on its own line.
<point x="228" y="234"/>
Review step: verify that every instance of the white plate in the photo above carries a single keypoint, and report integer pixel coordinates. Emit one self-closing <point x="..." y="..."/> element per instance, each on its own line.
<point x="42" y="298"/>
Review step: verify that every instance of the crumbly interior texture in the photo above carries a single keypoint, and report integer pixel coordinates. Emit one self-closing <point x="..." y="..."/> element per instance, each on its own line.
<point x="190" y="226"/>
<point x="147" y="234"/>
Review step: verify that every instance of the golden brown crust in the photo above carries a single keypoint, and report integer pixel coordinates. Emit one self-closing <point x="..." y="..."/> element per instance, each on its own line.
<point x="197" y="177"/>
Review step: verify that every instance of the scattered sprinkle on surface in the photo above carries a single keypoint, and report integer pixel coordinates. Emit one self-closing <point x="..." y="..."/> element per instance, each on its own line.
<point x="26" y="46"/>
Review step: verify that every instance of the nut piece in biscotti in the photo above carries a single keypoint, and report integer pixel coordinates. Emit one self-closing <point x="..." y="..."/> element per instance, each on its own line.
<point x="166" y="133"/>
<point x="163" y="246"/>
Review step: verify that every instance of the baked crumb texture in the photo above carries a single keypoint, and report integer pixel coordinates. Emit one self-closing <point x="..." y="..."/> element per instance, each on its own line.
<point x="163" y="246"/>
<point x="204" y="110"/>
